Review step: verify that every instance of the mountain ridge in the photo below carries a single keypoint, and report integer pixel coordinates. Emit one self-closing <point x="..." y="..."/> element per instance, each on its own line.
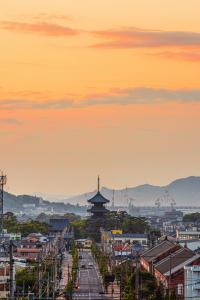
<point x="185" y="191"/>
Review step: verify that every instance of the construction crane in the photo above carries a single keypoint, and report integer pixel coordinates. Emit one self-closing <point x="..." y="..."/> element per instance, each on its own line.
<point x="158" y="202"/>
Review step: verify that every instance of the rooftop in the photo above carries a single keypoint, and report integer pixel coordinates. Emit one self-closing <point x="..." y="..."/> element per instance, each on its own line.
<point x="98" y="198"/>
<point x="158" y="250"/>
<point x="175" y="259"/>
<point x="95" y="209"/>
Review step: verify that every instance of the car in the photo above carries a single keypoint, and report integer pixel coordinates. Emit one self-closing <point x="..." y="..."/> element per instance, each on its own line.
<point x="77" y="286"/>
<point x="83" y="266"/>
<point x="90" y="265"/>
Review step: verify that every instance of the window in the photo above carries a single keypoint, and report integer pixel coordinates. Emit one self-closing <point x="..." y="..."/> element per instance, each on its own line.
<point x="180" y="289"/>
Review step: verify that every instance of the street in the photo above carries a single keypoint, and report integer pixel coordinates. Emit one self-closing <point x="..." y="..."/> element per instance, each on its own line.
<point x="89" y="286"/>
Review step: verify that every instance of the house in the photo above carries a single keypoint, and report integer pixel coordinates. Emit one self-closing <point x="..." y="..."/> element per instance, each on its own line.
<point x="30" y="247"/>
<point x="5" y="277"/>
<point x="158" y="252"/>
<point x="4" y="280"/>
<point x="192" y="275"/>
<point x="170" y="271"/>
<point x="171" y="265"/>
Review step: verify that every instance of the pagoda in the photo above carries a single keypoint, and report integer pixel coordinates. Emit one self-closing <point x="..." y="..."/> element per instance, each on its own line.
<point x="98" y="201"/>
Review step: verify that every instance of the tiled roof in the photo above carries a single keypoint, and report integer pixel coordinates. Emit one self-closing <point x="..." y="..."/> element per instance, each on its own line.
<point x="95" y="209"/>
<point x="173" y="260"/>
<point x="158" y="250"/>
<point x="29" y="250"/>
<point x="98" y="198"/>
<point x="58" y="224"/>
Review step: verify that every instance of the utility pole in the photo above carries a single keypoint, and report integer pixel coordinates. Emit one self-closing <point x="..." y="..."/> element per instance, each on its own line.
<point x="48" y="285"/>
<point x="137" y="249"/>
<point x="137" y="277"/>
<point x="3" y="180"/>
<point x="39" y="279"/>
<point x="170" y="275"/>
<point x="11" y="271"/>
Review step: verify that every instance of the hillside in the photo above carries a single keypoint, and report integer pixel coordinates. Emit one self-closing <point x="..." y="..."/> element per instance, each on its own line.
<point x="185" y="191"/>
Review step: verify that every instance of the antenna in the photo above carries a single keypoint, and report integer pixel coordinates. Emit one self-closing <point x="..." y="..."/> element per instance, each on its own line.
<point x="3" y="180"/>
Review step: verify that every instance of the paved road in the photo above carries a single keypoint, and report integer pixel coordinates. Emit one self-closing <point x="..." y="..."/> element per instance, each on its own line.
<point x="89" y="280"/>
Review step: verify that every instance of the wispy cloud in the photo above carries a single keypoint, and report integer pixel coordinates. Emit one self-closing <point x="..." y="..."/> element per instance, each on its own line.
<point x="139" y="38"/>
<point x="140" y="95"/>
<point x="50" y="17"/>
<point x="30" y="104"/>
<point x="191" y="56"/>
<point x="10" y="121"/>
<point x="42" y="28"/>
<point x="145" y="95"/>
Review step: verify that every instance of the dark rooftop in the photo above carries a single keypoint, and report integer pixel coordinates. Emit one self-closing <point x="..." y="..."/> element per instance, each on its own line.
<point x="98" y="198"/>
<point x="158" y="250"/>
<point x="176" y="258"/>
<point x="96" y="209"/>
<point x="58" y="224"/>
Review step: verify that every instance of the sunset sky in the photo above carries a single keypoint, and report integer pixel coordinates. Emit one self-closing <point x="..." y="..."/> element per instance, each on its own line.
<point x="98" y="87"/>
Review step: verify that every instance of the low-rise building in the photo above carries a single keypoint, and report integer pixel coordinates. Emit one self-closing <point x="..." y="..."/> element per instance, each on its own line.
<point x="4" y="280"/>
<point x="112" y="238"/>
<point x="192" y="282"/>
<point x="171" y="264"/>
<point x="188" y="235"/>
<point x="157" y="253"/>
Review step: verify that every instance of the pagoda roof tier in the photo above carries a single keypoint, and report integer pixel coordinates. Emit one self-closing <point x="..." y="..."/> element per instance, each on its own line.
<point x="95" y="209"/>
<point x="98" y="198"/>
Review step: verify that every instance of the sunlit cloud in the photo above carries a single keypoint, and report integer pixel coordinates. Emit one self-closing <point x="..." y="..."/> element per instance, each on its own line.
<point x="30" y="104"/>
<point x="140" y="95"/>
<point x="145" y="95"/>
<point x="10" y="121"/>
<point x="182" y="55"/>
<point x="50" y="17"/>
<point x="42" y="28"/>
<point x="139" y="38"/>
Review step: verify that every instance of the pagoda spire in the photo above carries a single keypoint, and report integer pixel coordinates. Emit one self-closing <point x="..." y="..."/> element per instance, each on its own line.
<point x="98" y="184"/>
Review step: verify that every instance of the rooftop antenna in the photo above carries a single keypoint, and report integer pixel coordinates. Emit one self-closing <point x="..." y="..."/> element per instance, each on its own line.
<point x="3" y="180"/>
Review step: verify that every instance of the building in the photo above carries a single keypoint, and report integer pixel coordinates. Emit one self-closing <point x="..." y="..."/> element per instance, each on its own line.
<point x="170" y="271"/>
<point x="58" y="224"/>
<point x="171" y="264"/>
<point x="32" y="246"/>
<point x="98" y="202"/>
<point x="192" y="282"/>
<point x="188" y="235"/>
<point x="84" y="243"/>
<point x="4" y="279"/>
<point x="157" y="253"/>
<point x="116" y="239"/>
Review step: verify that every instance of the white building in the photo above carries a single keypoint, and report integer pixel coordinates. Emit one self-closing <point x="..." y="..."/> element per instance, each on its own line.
<point x="188" y="235"/>
<point x="192" y="282"/>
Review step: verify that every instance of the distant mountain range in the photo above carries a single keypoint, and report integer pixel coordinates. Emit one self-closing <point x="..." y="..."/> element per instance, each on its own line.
<point x="184" y="191"/>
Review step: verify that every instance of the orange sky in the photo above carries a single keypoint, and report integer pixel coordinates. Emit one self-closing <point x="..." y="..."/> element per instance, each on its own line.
<point x="98" y="87"/>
